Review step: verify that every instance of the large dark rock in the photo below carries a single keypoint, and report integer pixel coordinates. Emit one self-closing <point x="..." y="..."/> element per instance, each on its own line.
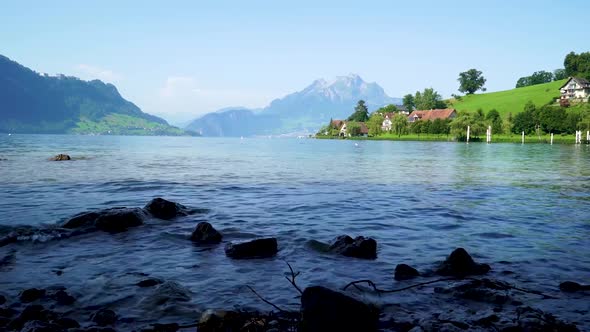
<point x="164" y="209"/>
<point x="63" y="298"/>
<point x="405" y="272"/>
<point x="460" y="264"/>
<point x="149" y="282"/>
<point x="113" y="220"/>
<point x="31" y="294"/>
<point x="360" y="247"/>
<point x="205" y="233"/>
<point x="104" y="317"/>
<point x="259" y="248"/>
<point x="570" y="286"/>
<point x="60" y="157"/>
<point x="325" y="310"/>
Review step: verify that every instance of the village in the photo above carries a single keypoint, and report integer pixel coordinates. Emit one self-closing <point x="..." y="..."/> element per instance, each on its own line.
<point x="447" y="123"/>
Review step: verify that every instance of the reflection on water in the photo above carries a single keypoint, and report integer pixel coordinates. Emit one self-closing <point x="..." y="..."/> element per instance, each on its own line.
<point x="524" y="204"/>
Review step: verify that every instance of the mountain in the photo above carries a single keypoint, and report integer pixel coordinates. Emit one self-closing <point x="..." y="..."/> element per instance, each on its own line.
<point x="34" y="103"/>
<point x="305" y="110"/>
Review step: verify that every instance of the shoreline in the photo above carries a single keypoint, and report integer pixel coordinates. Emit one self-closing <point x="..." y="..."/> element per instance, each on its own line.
<point x="514" y="139"/>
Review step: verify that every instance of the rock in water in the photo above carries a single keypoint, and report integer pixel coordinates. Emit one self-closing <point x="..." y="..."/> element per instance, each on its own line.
<point x="104" y="317"/>
<point x="32" y="294"/>
<point x="206" y="234"/>
<point x="405" y="272"/>
<point x="220" y="320"/>
<point x="570" y="286"/>
<point x="360" y="247"/>
<point x="60" y="157"/>
<point x="325" y="310"/>
<point x="113" y="220"/>
<point x="150" y="282"/>
<point x="63" y="298"/>
<point x="259" y="248"/>
<point x="164" y="209"/>
<point x="460" y="264"/>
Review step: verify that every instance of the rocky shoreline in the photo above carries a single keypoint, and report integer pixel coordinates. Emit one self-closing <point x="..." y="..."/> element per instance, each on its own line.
<point x="483" y="303"/>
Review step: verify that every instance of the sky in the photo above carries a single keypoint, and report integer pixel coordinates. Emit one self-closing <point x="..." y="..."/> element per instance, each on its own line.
<point x="182" y="59"/>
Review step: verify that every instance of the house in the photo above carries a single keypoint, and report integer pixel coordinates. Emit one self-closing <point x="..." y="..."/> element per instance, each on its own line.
<point x="386" y="124"/>
<point x="443" y="114"/>
<point x="575" y="88"/>
<point x="364" y="129"/>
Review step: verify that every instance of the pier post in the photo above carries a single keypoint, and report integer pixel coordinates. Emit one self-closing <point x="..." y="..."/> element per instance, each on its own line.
<point x="551" y="138"/>
<point x="489" y="134"/>
<point x="467" y="134"/>
<point x="523" y="137"/>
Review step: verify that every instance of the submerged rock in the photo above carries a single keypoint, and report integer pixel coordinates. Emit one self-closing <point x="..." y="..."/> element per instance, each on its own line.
<point x="360" y="247"/>
<point x="60" y="157"/>
<point x="150" y="282"/>
<point x="484" y="290"/>
<point x="570" y="286"/>
<point x="259" y="248"/>
<point x="405" y="272"/>
<point x="323" y="309"/>
<point x="32" y="294"/>
<point x="113" y="220"/>
<point x="220" y="320"/>
<point x="460" y="264"/>
<point x="164" y="209"/>
<point x="205" y="233"/>
<point x="104" y="317"/>
<point x="167" y="292"/>
<point x="531" y="319"/>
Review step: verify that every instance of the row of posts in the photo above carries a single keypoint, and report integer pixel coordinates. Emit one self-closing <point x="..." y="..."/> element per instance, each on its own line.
<point x="489" y="136"/>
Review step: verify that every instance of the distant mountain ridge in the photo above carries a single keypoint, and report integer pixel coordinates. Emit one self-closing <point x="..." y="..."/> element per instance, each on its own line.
<point x="305" y="110"/>
<point x="34" y="103"/>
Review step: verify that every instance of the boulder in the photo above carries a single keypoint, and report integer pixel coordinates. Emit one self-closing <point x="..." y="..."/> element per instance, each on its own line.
<point x="205" y="233"/>
<point x="360" y="247"/>
<point x="104" y="317"/>
<point x="323" y="309"/>
<point x="60" y="157"/>
<point x="164" y="209"/>
<point x="570" y="286"/>
<point x="63" y="298"/>
<point x="259" y="248"/>
<point x="113" y="220"/>
<point x="220" y="320"/>
<point x="460" y="264"/>
<point x="32" y="294"/>
<point x="405" y="272"/>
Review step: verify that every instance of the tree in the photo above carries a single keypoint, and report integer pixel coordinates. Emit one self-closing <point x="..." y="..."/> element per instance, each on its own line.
<point x="399" y="124"/>
<point x="353" y="128"/>
<point x="428" y="99"/>
<point x="391" y="108"/>
<point x="494" y="119"/>
<point x="409" y="102"/>
<point x="475" y="122"/>
<point x="538" y="77"/>
<point x="471" y="81"/>
<point x="361" y="113"/>
<point x="526" y="121"/>
<point x="374" y="124"/>
<point x="559" y="74"/>
<point x="508" y="123"/>
<point x="577" y="64"/>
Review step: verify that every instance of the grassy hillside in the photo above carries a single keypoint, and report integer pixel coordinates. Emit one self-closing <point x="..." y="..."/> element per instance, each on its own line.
<point x="509" y="101"/>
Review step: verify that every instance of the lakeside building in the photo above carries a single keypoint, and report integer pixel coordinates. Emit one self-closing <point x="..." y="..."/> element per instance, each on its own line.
<point x="443" y="114"/>
<point x="575" y="89"/>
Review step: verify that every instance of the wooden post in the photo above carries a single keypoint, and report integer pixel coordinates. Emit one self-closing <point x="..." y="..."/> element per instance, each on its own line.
<point x="489" y="134"/>
<point x="551" y="138"/>
<point x="587" y="136"/>
<point x="523" y="137"/>
<point x="467" y="134"/>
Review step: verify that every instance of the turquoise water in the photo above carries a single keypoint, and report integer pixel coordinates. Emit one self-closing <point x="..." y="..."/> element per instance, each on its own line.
<point x="524" y="208"/>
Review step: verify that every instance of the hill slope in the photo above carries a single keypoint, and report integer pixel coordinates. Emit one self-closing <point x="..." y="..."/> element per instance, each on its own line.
<point x="302" y="111"/>
<point x="34" y="103"/>
<point x="510" y="101"/>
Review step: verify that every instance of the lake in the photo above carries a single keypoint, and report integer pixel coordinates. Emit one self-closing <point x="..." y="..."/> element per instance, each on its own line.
<point x="524" y="208"/>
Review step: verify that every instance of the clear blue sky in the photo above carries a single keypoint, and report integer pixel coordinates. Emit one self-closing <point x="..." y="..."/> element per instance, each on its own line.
<point x="180" y="59"/>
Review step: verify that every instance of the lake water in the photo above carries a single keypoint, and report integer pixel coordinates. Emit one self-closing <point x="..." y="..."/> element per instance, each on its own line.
<point x="524" y="208"/>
